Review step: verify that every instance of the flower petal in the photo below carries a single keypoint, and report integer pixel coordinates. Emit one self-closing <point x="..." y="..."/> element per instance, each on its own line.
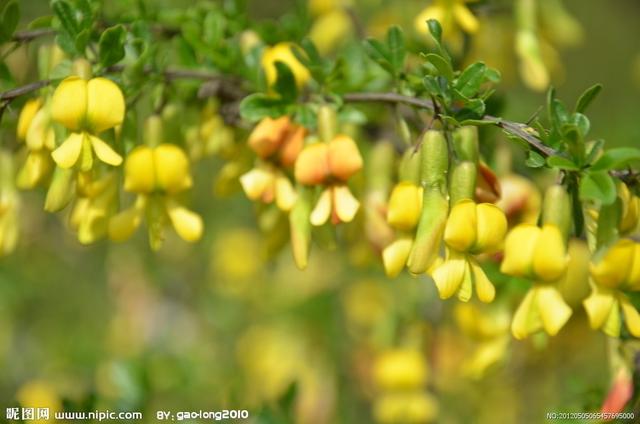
<point x="553" y="309"/>
<point x="395" y="255"/>
<point x="104" y="152"/>
<point x="345" y="204"/>
<point x="449" y="276"/>
<point x="311" y="166"/>
<point x="461" y="229"/>
<point x="255" y="182"/>
<point x="518" y="250"/>
<point x="27" y="114"/>
<point x="343" y="157"/>
<point x="631" y="316"/>
<point x="285" y="193"/>
<point x="172" y="168"/>
<point x="526" y="320"/>
<point x="322" y="210"/>
<point x="485" y="290"/>
<point x="187" y="224"/>
<point x="491" y="228"/>
<point x="105" y="104"/>
<point x="405" y="204"/>
<point x="613" y="268"/>
<point x="139" y="171"/>
<point x="124" y="224"/>
<point x="465" y="18"/>
<point x="550" y="255"/>
<point x="598" y="306"/>
<point x="69" y="103"/>
<point x="68" y="153"/>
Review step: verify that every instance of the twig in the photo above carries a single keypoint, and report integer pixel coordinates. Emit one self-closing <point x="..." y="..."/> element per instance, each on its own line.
<point x="520" y="130"/>
<point x="28" y="35"/>
<point x="25" y="89"/>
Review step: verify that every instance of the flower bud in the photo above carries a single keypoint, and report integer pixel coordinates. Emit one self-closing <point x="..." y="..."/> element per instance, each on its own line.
<point x="465" y="143"/>
<point x="463" y="182"/>
<point x="327" y="123"/>
<point x="557" y="209"/>
<point x="434" y="155"/>
<point x="153" y="133"/>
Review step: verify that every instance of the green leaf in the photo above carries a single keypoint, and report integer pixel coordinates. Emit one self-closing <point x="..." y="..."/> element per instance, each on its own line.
<point x="493" y="75"/>
<point x="111" y="45"/>
<point x="595" y="148"/>
<point x="534" y="160"/>
<point x="435" y="29"/>
<point x="82" y="39"/>
<point x="587" y="97"/>
<point x="9" y="22"/>
<point x="616" y="158"/>
<point x="562" y="163"/>
<point x="285" y="82"/>
<point x="397" y="50"/>
<point x="378" y="52"/>
<point x="66" y="15"/>
<point x="599" y="187"/>
<point x="471" y="79"/>
<point x="41" y="22"/>
<point x="441" y="64"/>
<point x="257" y="106"/>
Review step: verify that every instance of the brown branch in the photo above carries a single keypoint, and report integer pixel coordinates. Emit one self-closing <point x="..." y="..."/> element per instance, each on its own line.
<point x="520" y="130"/>
<point x="32" y="34"/>
<point x="21" y="91"/>
<point x="517" y="129"/>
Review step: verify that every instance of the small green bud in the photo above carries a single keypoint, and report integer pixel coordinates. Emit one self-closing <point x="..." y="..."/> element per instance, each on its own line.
<point x="557" y="209"/>
<point x="463" y="182"/>
<point x="465" y="143"/>
<point x="327" y="123"/>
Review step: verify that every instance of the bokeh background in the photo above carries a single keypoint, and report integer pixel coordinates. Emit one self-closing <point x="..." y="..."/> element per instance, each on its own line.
<point x="223" y="325"/>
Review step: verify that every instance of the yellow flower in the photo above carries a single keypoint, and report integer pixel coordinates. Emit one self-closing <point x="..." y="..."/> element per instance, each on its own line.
<point x="488" y="329"/>
<point x="87" y="108"/>
<point x="400" y="369"/>
<point x="449" y="13"/>
<point x="337" y="202"/>
<point x="266" y="183"/>
<point x="282" y="52"/>
<point x="405" y="407"/>
<point x="542" y="308"/>
<point x="157" y="175"/>
<point x="475" y="228"/>
<point x="39" y="394"/>
<point x="93" y="209"/>
<point x="618" y="269"/>
<point x="330" y="29"/>
<point x="333" y="163"/>
<point x="471" y="229"/>
<point x="604" y="307"/>
<point x="27" y="113"/>
<point x="34" y="127"/>
<point x="630" y="210"/>
<point x="535" y="253"/>
<point x="539" y="254"/>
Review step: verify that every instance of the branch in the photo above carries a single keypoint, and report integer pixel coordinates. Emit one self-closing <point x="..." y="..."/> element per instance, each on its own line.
<point x="9" y="95"/>
<point x="520" y="130"/>
<point x="32" y="34"/>
<point x="517" y="129"/>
